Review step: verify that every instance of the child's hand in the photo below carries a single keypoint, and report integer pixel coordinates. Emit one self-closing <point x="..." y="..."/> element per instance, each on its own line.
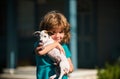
<point x="39" y="48"/>
<point x="66" y="71"/>
<point x="59" y="47"/>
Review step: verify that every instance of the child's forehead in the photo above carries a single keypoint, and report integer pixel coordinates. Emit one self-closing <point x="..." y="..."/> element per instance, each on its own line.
<point x="57" y="30"/>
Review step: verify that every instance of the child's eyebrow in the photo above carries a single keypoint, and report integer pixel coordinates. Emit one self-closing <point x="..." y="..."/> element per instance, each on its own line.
<point x="58" y="31"/>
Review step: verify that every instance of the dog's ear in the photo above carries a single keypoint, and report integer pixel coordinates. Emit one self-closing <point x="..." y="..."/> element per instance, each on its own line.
<point x="45" y="31"/>
<point x="36" y="34"/>
<point x="50" y="33"/>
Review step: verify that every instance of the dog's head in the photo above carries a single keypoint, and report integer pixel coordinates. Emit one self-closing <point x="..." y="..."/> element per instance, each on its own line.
<point x="42" y="35"/>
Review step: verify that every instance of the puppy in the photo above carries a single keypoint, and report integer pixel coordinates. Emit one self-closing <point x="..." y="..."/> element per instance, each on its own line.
<point x="54" y="54"/>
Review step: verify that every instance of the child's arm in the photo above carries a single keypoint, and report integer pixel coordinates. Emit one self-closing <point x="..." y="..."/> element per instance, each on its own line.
<point x="42" y="51"/>
<point x="71" y="65"/>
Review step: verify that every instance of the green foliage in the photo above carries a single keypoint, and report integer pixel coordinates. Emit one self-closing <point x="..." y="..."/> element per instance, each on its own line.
<point x="109" y="72"/>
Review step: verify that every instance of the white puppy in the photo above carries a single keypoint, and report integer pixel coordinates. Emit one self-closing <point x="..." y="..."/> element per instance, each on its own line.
<point x="54" y="54"/>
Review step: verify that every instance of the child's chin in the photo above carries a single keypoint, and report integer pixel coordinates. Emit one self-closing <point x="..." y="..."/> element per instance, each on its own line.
<point x="59" y="41"/>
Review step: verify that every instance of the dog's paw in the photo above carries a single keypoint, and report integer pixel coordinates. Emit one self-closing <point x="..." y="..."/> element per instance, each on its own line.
<point x="66" y="70"/>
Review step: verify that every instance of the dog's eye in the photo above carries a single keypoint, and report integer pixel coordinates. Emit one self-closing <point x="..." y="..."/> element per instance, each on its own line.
<point x="45" y="36"/>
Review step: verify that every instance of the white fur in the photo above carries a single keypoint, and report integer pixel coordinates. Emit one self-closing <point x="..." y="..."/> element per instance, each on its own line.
<point x="55" y="54"/>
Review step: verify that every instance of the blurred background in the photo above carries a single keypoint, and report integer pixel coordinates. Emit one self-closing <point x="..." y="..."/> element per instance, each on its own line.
<point x="97" y="30"/>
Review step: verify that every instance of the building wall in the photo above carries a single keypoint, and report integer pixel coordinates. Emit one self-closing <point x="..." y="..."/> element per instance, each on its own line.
<point x="2" y="34"/>
<point x="108" y="31"/>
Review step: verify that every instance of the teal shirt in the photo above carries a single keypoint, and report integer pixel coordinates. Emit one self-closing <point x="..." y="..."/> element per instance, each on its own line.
<point x="45" y="67"/>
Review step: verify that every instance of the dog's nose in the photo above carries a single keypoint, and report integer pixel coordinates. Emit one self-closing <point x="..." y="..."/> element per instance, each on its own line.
<point x="40" y="41"/>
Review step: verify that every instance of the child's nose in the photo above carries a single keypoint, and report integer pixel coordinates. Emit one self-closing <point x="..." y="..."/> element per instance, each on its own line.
<point x="57" y="34"/>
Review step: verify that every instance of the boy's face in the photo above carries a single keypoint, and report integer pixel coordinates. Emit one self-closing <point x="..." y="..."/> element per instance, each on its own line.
<point x="58" y="35"/>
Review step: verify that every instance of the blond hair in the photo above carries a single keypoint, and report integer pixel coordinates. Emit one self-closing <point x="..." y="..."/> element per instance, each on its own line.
<point x="56" y="20"/>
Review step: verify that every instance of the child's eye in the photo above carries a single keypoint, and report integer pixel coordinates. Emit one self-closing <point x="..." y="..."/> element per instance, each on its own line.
<point x="61" y="32"/>
<point x="53" y="32"/>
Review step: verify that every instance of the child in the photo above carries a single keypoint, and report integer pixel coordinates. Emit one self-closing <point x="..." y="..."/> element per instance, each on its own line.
<point x="55" y="23"/>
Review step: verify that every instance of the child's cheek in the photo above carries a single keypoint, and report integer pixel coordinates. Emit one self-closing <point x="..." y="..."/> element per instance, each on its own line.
<point x="53" y="37"/>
